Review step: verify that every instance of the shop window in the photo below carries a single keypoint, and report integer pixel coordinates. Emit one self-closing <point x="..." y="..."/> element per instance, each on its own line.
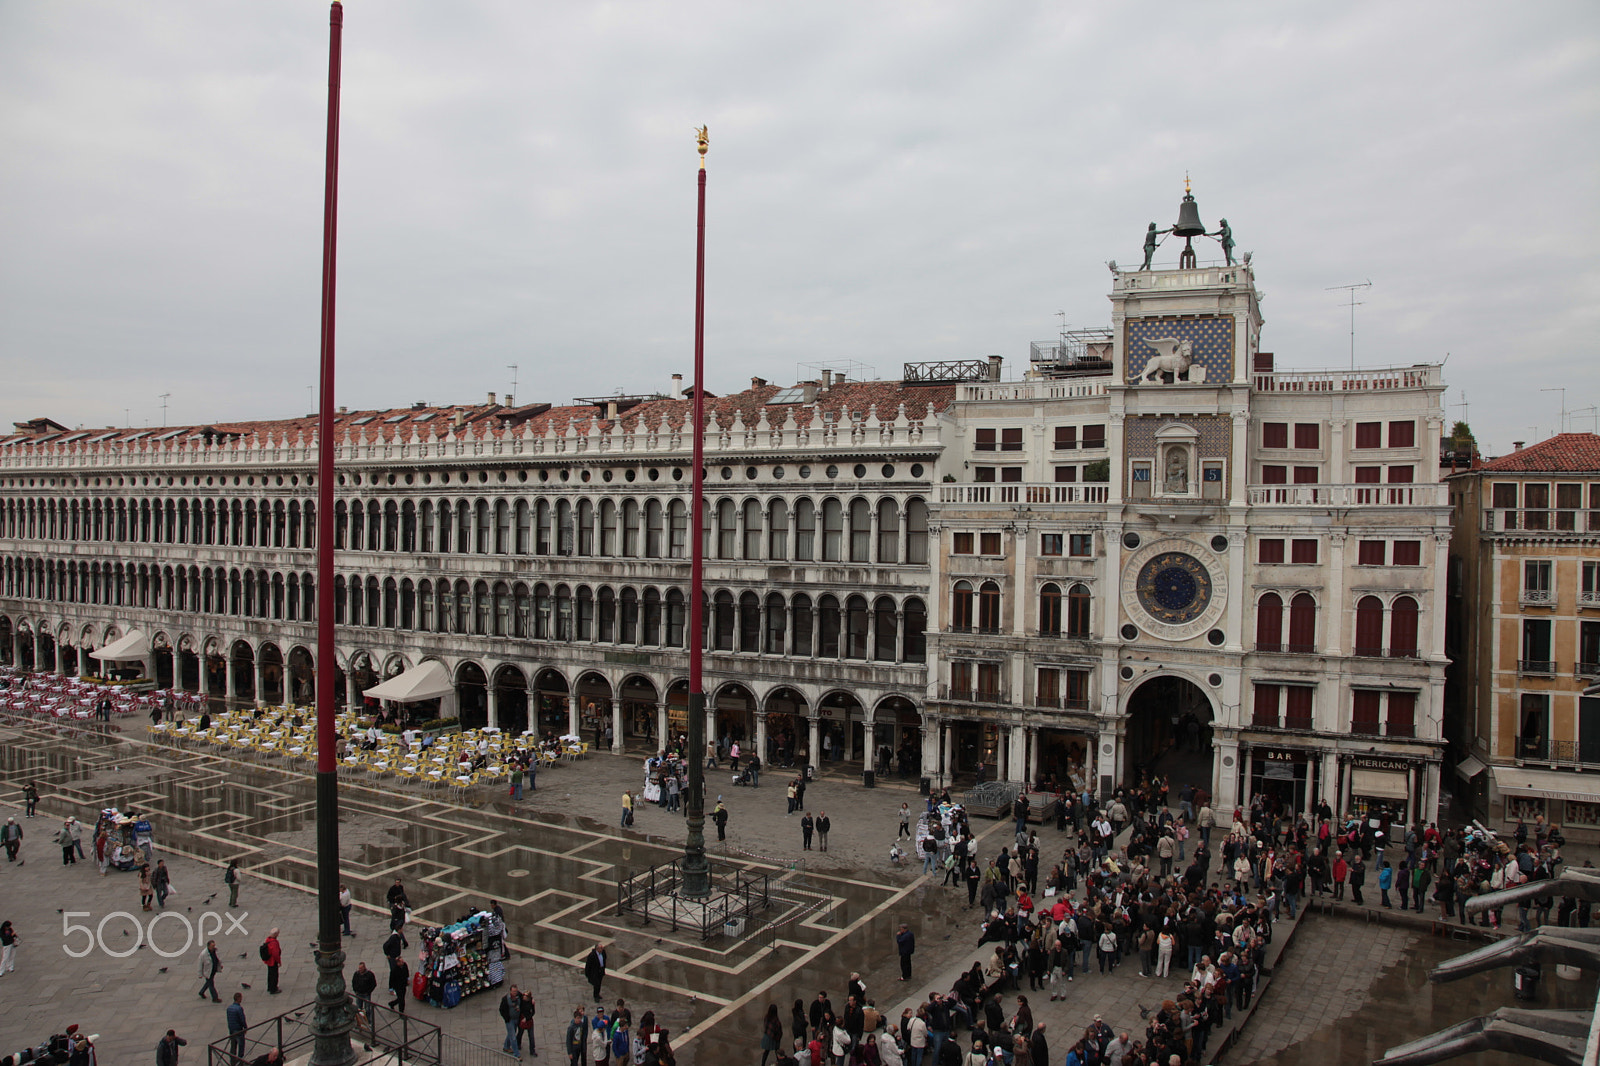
<point x="1584" y="814"/>
<point x="1369" y="434"/>
<point x="1066" y="438"/>
<point x="1371" y="552"/>
<point x="1304" y="551"/>
<point x="1307" y="435"/>
<point x="1081" y="544"/>
<point x="1011" y="440"/>
<point x="1274" y="434"/>
<point x="1270" y="549"/>
<point x="1408" y="553"/>
<point x="1403" y="434"/>
<point x="961" y="543"/>
<point x="1364" y="712"/>
<point x="983" y="440"/>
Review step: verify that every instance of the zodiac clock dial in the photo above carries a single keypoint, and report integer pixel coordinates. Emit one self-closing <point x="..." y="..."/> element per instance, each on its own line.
<point x="1174" y="588"/>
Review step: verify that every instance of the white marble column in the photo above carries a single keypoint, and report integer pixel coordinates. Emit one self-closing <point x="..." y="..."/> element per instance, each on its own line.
<point x="930" y="746"/>
<point x="1328" y="787"/>
<point x="761" y="737"/>
<point x="494" y="707"/>
<point x="814" y="741"/>
<point x="573" y="723"/>
<point x="261" y="683"/>
<point x="1017" y="754"/>
<point x="616" y="726"/>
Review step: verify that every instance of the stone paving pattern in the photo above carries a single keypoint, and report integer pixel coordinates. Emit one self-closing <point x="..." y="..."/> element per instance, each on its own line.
<point x="564" y="845"/>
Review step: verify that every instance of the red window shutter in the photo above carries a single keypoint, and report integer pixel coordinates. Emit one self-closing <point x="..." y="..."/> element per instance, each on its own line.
<point x="1403" y="627"/>
<point x="1369" y="475"/>
<point x="1402" y="714"/>
<point x="1370" y="553"/>
<point x="1094" y="436"/>
<point x="1302" y="623"/>
<point x="1369" y="626"/>
<point x="1369" y="434"/>
<point x="1364" y="712"/>
<point x="1011" y="440"/>
<point x="1066" y="437"/>
<point x="1066" y="473"/>
<point x="1269" y="622"/>
<point x="1408" y="553"/>
<point x="1399" y="475"/>
<point x="983" y="440"/>
<point x="1264" y="711"/>
<point x="1274" y="434"/>
<point x="1306" y="475"/>
<point x="1297" y="706"/>
<point x="1274" y="475"/>
<point x="1307" y="435"/>
<point x="1271" y="550"/>
<point x="1305" y="551"/>
<point x="1402" y="434"/>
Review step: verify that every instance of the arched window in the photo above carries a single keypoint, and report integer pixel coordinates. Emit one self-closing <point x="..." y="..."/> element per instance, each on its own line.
<point x="749" y="622"/>
<point x="888" y="531"/>
<point x="520" y="608"/>
<point x="654" y="534"/>
<point x="483" y="528"/>
<point x="630" y="528"/>
<point x="651" y="622"/>
<point x="1403" y="627"/>
<point x="585" y="613"/>
<point x="1269" y="622"/>
<point x="564" y="531"/>
<point x="800" y="609"/>
<point x="726" y="528"/>
<point x="563" y="613"/>
<point x="677" y="618"/>
<point x="805" y="531"/>
<point x="777" y="617"/>
<point x="860" y="531"/>
<point x="885" y="630"/>
<point x="1302" y="623"/>
<point x="542" y="611"/>
<point x="585" y="527"/>
<point x="606" y="616"/>
<point x="1369" y="626"/>
<point x="722" y="620"/>
<point x="629" y="629"/>
<point x="828" y="623"/>
<point x="752" y="529"/>
<point x="677" y="530"/>
<point x="778" y="530"/>
<point x="961" y="607"/>
<point x="1050" y="610"/>
<point x="541" y="527"/>
<point x="1078" y="610"/>
<point x="501" y="614"/>
<point x="856" y="627"/>
<point x="391" y="527"/>
<point x="832" y="531"/>
<point x="916" y="618"/>
<point x="989" y="608"/>
<point x="524" y="524"/>
<point x="608" y="528"/>
<point x="480" y="607"/>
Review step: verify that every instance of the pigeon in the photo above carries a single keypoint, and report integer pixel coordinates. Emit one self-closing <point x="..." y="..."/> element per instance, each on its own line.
<point x="243" y="985"/>
<point x="162" y="970"/>
<point x="1144" y="1012"/>
<point x="242" y="955"/>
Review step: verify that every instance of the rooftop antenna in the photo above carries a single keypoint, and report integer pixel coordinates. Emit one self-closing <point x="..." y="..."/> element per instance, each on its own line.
<point x="164" y="396"/>
<point x="1354" y="303"/>
<point x="513" y="368"/>
<point x="1590" y="410"/>
<point x="1466" y="408"/>
<point x="1563" y="391"/>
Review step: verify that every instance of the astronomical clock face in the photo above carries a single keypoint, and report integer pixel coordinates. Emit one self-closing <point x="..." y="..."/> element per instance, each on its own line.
<point x="1174" y="589"/>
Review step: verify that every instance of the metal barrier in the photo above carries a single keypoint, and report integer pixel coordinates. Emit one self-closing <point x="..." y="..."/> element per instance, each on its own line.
<point x="377" y="1034"/>
<point x="656" y="893"/>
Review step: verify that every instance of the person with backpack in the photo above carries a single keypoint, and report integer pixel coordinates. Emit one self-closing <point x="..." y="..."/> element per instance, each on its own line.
<point x="272" y="955"/>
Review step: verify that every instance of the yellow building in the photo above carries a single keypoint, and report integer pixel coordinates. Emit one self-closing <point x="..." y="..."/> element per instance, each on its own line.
<point x="1525" y="635"/>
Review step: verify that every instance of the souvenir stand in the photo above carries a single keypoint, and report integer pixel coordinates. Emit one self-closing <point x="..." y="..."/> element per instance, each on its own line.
<point x="122" y="850"/>
<point x="461" y="959"/>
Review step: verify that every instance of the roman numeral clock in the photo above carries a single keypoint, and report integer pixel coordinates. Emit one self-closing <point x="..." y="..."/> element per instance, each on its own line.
<point x="1174" y="589"/>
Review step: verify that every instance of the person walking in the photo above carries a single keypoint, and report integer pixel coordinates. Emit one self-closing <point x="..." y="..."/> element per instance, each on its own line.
<point x="823" y="825"/>
<point x="526" y="1010"/>
<point x="1358" y="878"/>
<point x="511" y="1014"/>
<point x="208" y="967"/>
<point x="594" y="969"/>
<point x="30" y="798"/>
<point x="905" y="821"/>
<point x="236" y="1026"/>
<point x="9" y="940"/>
<point x="167" y="1048"/>
<point x="627" y="808"/>
<point x="362" y="984"/>
<point x="145" y="893"/>
<point x="231" y="877"/>
<point x="905" y="942"/>
<point x="807" y="825"/>
<point x="399" y="982"/>
<point x="1385" y="882"/>
<point x="272" y="955"/>
<point x="576" y="1038"/>
<point x="345" y="903"/>
<point x="11" y="836"/>
<point x="64" y="839"/>
<point x="161" y="881"/>
<point x="75" y="827"/>
<point x="771" y="1034"/>
<point x="719" y="815"/>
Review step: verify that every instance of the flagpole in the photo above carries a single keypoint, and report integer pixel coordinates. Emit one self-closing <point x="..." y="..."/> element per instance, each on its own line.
<point x="331" y="1016"/>
<point x="696" y="871"/>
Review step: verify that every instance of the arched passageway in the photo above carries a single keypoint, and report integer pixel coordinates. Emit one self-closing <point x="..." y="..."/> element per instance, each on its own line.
<point x="1169" y="732"/>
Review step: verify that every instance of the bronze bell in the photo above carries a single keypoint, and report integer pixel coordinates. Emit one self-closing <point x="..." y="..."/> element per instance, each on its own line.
<point x="1189" y="224"/>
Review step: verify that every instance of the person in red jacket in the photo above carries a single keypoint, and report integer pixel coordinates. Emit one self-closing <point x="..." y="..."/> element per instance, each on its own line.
<point x="273" y="957"/>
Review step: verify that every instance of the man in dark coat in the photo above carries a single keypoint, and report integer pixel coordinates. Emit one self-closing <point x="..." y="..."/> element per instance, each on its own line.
<point x="905" y="941"/>
<point x="594" y="969"/>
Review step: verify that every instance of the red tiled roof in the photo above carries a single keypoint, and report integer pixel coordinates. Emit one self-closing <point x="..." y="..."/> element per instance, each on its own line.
<point x="1563" y="453"/>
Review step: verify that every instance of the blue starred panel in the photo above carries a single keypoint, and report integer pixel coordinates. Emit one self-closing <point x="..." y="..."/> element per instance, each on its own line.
<point x="1211" y="338"/>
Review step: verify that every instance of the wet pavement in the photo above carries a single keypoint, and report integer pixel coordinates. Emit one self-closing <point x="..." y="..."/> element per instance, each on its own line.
<point x="553" y="862"/>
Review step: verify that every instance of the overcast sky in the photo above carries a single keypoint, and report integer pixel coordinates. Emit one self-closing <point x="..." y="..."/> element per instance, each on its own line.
<point x="888" y="182"/>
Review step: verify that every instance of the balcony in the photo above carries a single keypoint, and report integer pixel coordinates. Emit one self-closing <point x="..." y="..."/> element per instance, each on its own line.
<point x="971" y="695"/>
<point x="1586" y="670"/>
<point x="1538" y="597"/>
<point x="1589" y="598"/>
<point x="1536" y="667"/>
<point x="1572" y="522"/>
<point x="1379" y="379"/>
<point x="1411" y="494"/>
<point x="1290" y="649"/>
<point x="1294" y="721"/>
<point x="1066" y="389"/>
<point x="1575" y="753"/>
<point x="1024" y="493"/>
<point x="1060" y="703"/>
<point x="1386" y="653"/>
<point x="1536" y="748"/>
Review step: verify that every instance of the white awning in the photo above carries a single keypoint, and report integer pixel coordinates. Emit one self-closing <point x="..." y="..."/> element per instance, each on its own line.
<point x="133" y="646"/>
<point x="1550" y="784"/>
<point x="1379" y="784"/>
<point x="425" y="682"/>
<point x="1469" y="768"/>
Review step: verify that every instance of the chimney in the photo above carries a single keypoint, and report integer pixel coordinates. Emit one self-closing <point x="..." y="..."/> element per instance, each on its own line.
<point x="827" y="380"/>
<point x="677" y="387"/>
<point x="611" y="410"/>
<point x="756" y="383"/>
<point x="994" y="367"/>
<point x="460" y="419"/>
<point x="838" y="378"/>
<point x="491" y="399"/>
<point x="1516" y="445"/>
<point x="809" y="390"/>
<point x="344" y="410"/>
<point x="509" y="401"/>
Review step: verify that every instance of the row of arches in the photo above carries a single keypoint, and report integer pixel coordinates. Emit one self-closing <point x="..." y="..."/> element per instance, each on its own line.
<point x="980" y="609"/>
<point x="278" y="595"/>
<point x="227" y="522"/>
<point x="1400" y="618"/>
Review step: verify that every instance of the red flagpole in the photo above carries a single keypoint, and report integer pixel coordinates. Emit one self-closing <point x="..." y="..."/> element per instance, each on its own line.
<point x="696" y="871"/>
